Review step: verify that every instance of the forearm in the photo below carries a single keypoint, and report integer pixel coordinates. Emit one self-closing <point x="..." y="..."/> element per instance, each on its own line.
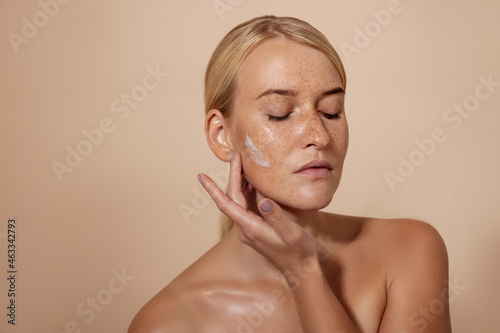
<point x="318" y="307"/>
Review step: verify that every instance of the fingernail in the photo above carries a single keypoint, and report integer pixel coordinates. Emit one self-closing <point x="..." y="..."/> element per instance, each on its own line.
<point x="199" y="178"/>
<point x="266" y="206"/>
<point x="232" y="157"/>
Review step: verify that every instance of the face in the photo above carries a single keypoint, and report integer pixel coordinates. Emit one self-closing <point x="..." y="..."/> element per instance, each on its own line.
<point x="289" y="125"/>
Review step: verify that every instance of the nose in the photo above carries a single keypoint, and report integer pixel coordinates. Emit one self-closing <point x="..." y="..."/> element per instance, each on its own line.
<point x="313" y="131"/>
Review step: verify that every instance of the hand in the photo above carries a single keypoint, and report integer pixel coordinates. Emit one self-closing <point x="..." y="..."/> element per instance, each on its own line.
<point x="287" y="245"/>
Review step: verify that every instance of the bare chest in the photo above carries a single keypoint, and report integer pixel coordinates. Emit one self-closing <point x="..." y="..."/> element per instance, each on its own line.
<point x="271" y="308"/>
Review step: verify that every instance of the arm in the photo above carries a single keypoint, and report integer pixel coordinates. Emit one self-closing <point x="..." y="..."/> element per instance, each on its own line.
<point x="417" y="297"/>
<point x="318" y="308"/>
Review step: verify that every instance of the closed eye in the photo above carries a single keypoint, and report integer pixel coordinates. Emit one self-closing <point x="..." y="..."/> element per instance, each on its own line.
<point x="274" y="118"/>
<point x="331" y="116"/>
<point x="326" y="115"/>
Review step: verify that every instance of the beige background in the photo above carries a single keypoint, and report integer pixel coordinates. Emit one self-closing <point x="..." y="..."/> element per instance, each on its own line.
<point x="120" y="208"/>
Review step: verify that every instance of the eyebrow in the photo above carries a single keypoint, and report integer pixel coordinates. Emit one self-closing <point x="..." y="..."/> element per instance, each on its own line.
<point x="293" y="93"/>
<point x="282" y="92"/>
<point x="334" y="91"/>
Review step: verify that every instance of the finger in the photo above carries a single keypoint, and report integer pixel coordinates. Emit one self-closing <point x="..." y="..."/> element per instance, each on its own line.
<point x="228" y="206"/>
<point x="247" y="190"/>
<point x="249" y="223"/>
<point x="221" y="199"/>
<point x="234" y="186"/>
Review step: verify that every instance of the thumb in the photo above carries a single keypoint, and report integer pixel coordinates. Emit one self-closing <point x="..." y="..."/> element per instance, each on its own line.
<point x="273" y="214"/>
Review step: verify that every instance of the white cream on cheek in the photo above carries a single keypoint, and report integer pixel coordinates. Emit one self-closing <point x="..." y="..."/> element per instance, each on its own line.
<point x="255" y="154"/>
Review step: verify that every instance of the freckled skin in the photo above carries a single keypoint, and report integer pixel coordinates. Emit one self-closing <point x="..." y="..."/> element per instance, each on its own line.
<point x="306" y="135"/>
<point x="380" y="271"/>
<point x="255" y="154"/>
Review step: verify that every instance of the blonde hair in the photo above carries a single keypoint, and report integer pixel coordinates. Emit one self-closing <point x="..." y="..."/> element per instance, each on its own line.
<point x="220" y="77"/>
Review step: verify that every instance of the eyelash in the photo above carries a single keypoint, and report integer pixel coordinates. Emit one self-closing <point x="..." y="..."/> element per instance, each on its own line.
<point x="274" y="118"/>
<point x="326" y="115"/>
<point x="332" y="116"/>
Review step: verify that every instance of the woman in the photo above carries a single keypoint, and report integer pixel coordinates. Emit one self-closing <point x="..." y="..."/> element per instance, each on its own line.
<point x="274" y="93"/>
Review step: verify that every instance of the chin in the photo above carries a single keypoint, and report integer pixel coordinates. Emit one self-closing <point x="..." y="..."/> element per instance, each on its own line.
<point x="307" y="201"/>
<point x="311" y="204"/>
<point x="297" y="195"/>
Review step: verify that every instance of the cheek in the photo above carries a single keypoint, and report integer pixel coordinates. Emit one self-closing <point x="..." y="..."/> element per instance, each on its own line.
<point x="343" y="140"/>
<point x="255" y="154"/>
<point x="261" y="160"/>
<point x="264" y="148"/>
<point x="340" y="140"/>
<point x="269" y="158"/>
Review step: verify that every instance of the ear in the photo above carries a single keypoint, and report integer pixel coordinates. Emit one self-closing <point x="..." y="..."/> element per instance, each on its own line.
<point x="218" y="135"/>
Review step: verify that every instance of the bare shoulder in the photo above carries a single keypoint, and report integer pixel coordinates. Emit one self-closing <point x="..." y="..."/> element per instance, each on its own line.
<point x="169" y="311"/>
<point x="397" y="232"/>
<point x="414" y="255"/>
<point x="412" y="261"/>
<point x="187" y="303"/>
<point x="416" y="263"/>
<point x="418" y="255"/>
<point x="412" y="239"/>
<point x="403" y="244"/>
<point x="180" y="306"/>
<point x="408" y="242"/>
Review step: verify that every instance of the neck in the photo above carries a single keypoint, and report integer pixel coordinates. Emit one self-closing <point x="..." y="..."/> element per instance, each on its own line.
<point x="251" y="264"/>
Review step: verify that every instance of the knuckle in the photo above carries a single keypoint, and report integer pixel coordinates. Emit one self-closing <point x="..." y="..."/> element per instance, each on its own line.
<point x="274" y="218"/>
<point x="223" y="205"/>
<point x="293" y="236"/>
<point x="248" y="235"/>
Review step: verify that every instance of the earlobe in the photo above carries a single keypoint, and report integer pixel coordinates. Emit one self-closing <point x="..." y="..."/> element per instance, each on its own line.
<point x="218" y="136"/>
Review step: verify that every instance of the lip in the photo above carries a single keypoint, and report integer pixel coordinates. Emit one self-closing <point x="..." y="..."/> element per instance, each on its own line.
<point x="316" y="168"/>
